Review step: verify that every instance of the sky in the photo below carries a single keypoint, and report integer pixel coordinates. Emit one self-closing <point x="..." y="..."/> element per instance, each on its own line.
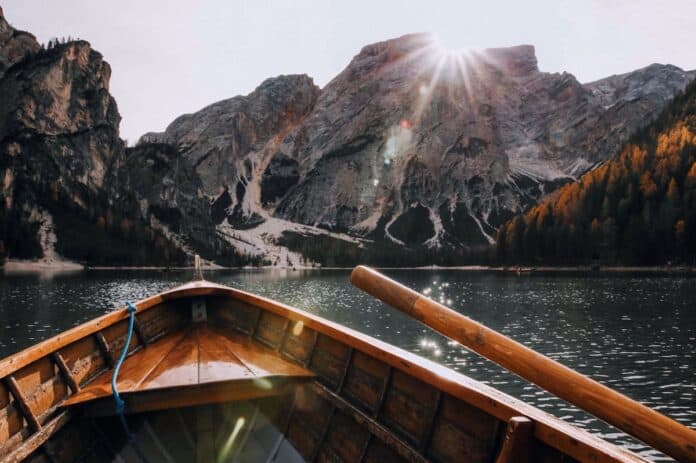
<point x="171" y="57"/>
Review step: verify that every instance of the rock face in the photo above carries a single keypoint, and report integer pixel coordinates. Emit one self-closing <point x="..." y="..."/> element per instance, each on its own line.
<point x="409" y="148"/>
<point x="412" y="145"/>
<point x="230" y="144"/>
<point x="61" y="160"/>
<point x="14" y="45"/>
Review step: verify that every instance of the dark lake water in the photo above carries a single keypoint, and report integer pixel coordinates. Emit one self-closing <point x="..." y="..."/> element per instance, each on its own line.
<point x="636" y="334"/>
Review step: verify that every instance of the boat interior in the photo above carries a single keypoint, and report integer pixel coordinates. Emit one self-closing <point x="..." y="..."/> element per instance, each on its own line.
<point x="217" y="374"/>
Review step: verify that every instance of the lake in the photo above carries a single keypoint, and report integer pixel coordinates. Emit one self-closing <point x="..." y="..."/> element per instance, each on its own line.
<point x="635" y="333"/>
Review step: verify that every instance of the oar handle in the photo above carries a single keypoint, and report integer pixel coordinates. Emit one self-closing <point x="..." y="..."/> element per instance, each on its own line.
<point x="653" y="428"/>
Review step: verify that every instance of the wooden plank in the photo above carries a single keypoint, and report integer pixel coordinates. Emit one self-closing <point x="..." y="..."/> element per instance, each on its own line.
<point x="323" y="435"/>
<point x="518" y="443"/>
<point x="329" y="360"/>
<point x="380" y="432"/>
<point x="178" y="368"/>
<point x="363" y="455"/>
<point x="429" y="422"/>
<point x="11" y="384"/>
<point x="137" y="327"/>
<point x="308" y="423"/>
<point x="65" y="371"/>
<point x="346" y="369"/>
<point x="383" y="392"/>
<point x="133" y="371"/>
<point x="217" y="360"/>
<point x="566" y="438"/>
<point x="366" y="381"/>
<point x="185" y="429"/>
<point x="12" y="426"/>
<point x="409" y="408"/>
<point x="234" y="314"/>
<point x="464" y="432"/>
<point x="260" y="359"/>
<point x="36" y="440"/>
<point x="105" y="349"/>
<point x="271" y="329"/>
<point x="312" y="348"/>
<point x="634" y="418"/>
<point x="205" y="436"/>
<point x="23" y="358"/>
<point x="198" y="355"/>
<point x="346" y="438"/>
<point x="298" y="343"/>
<point x="84" y="359"/>
<point x="164" y="454"/>
<point x="203" y="394"/>
<point x="379" y="452"/>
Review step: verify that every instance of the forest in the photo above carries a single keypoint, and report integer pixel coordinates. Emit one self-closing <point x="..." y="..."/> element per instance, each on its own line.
<point x="636" y="209"/>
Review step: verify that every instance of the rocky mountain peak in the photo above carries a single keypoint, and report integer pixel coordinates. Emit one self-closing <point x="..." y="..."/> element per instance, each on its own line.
<point x="515" y="61"/>
<point x="410" y="148"/>
<point x="62" y="90"/>
<point x="14" y="44"/>
<point x="410" y="145"/>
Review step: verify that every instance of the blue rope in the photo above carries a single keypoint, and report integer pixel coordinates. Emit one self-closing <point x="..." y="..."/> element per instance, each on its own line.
<point x="120" y="404"/>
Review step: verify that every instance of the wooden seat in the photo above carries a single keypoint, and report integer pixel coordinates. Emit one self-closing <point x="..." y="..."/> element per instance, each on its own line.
<point x="197" y="365"/>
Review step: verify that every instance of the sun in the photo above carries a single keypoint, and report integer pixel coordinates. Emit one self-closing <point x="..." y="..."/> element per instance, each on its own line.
<point x="447" y="47"/>
<point x="443" y="71"/>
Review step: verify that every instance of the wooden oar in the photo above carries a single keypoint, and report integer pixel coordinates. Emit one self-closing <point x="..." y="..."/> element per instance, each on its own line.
<point x="653" y="428"/>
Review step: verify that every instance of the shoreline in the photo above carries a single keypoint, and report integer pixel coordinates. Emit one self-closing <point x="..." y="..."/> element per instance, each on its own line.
<point x="13" y="267"/>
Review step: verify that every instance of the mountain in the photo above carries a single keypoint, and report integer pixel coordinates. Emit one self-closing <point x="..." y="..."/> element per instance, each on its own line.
<point x="410" y="147"/>
<point x="639" y="208"/>
<point x="410" y="155"/>
<point x="61" y="162"/>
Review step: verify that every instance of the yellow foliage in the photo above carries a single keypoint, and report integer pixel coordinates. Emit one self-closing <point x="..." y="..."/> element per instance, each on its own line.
<point x="638" y="157"/>
<point x="673" y="191"/>
<point x="674" y="140"/>
<point x="691" y="177"/>
<point x="648" y="186"/>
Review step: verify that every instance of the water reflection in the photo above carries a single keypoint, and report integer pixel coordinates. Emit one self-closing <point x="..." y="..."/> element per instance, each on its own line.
<point x="634" y="333"/>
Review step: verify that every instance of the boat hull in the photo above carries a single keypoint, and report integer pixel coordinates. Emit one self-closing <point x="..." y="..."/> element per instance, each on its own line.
<point x="367" y="400"/>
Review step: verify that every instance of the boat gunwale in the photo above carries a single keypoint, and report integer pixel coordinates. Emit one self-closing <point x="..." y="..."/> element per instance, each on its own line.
<point x="554" y="432"/>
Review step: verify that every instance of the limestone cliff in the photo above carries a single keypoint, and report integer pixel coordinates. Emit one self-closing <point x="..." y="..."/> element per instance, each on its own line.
<point x="410" y="145"/>
<point x="410" y="149"/>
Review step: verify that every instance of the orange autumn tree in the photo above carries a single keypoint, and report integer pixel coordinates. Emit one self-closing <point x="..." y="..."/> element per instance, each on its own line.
<point x="637" y="209"/>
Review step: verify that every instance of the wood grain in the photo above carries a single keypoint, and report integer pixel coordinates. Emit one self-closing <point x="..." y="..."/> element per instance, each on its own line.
<point x="192" y="357"/>
<point x="518" y="445"/>
<point x="650" y="426"/>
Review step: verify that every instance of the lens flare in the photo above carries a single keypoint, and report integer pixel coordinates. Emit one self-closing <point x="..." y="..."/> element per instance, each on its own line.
<point x="229" y="443"/>
<point x="440" y="80"/>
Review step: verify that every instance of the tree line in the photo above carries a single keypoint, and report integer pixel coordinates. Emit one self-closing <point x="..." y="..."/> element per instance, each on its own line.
<point x="636" y="209"/>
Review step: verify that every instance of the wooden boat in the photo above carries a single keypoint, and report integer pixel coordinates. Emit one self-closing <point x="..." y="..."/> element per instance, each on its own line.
<point x="214" y="374"/>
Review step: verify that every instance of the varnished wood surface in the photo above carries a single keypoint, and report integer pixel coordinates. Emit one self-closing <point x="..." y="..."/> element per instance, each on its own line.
<point x="336" y="346"/>
<point x="23" y="358"/>
<point x="193" y="356"/>
<point x="37" y="439"/>
<point x="554" y="432"/>
<point x="218" y="392"/>
<point x="648" y="425"/>
<point x="519" y="441"/>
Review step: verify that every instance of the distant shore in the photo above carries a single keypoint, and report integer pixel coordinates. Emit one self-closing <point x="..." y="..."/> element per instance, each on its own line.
<point x="64" y="266"/>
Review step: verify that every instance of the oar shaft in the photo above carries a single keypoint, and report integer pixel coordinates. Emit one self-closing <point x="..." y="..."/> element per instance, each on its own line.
<point x="653" y="428"/>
